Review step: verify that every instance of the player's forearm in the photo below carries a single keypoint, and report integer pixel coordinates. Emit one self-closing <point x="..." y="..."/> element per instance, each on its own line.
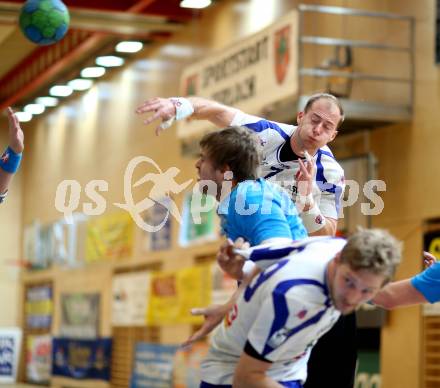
<point x="9" y="164"/>
<point x="398" y="294"/>
<point x="218" y="114"/>
<point x="5" y="180"/>
<point x="329" y="228"/>
<point x="254" y="380"/>
<point x="317" y="224"/>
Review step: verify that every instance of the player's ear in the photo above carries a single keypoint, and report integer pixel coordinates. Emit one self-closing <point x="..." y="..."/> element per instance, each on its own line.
<point x="334" y="135"/>
<point x="299" y="117"/>
<point x="338" y="258"/>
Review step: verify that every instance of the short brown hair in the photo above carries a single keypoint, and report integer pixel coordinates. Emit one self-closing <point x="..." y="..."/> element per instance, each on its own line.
<point x="236" y="147"/>
<point x="373" y="250"/>
<point x="315" y="97"/>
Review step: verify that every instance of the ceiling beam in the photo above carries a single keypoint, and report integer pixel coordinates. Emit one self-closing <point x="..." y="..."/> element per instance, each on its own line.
<point x="111" y="22"/>
<point x="90" y="44"/>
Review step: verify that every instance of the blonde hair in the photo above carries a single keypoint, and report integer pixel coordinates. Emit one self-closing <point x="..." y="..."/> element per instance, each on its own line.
<point x="374" y="250"/>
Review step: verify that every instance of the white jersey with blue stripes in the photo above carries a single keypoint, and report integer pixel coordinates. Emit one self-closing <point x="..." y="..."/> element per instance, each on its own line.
<point x="329" y="174"/>
<point x="281" y="314"/>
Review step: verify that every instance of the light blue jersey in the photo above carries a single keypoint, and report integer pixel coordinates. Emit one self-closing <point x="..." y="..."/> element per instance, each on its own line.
<point x="257" y="210"/>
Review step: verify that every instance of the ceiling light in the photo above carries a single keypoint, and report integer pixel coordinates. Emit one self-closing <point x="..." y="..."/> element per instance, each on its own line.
<point x="60" y="91"/>
<point x="47" y="101"/>
<point x="92" y="72"/>
<point x="80" y="84"/>
<point x="195" y="3"/>
<point x="34" y="109"/>
<point x="109" y="61"/>
<point x="175" y="50"/>
<point x="128" y="47"/>
<point x="23" y="116"/>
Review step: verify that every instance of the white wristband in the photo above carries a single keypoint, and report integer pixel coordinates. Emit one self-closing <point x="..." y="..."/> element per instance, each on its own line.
<point x="304" y="200"/>
<point x="183" y="106"/>
<point x="312" y="219"/>
<point x="248" y="267"/>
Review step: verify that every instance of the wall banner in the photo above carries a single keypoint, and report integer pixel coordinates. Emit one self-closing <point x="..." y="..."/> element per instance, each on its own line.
<point x="82" y="359"/>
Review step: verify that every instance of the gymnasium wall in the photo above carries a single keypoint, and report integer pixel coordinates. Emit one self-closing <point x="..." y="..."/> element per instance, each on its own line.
<point x="408" y="164"/>
<point x="95" y="135"/>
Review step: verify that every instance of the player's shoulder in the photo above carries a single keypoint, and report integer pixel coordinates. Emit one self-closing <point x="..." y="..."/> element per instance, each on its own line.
<point x="257" y="187"/>
<point x="259" y="124"/>
<point x="326" y="155"/>
<point x="327" y="163"/>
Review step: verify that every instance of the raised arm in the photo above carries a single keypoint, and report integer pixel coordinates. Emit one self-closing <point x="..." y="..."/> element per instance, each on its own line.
<point x="251" y="373"/>
<point x="398" y="294"/>
<point x="179" y="108"/>
<point x="422" y="288"/>
<point x="10" y="159"/>
<point x="315" y="222"/>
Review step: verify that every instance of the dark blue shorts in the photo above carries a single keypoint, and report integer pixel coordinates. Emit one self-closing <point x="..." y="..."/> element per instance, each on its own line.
<point x="288" y="384"/>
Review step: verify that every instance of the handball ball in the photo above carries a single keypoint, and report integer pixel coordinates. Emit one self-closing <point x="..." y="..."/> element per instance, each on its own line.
<point x="44" y="21"/>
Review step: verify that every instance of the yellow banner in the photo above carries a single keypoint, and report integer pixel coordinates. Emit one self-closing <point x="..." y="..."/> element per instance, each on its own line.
<point x="109" y="236"/>
<point x="39" y="307"/>
<point x="174" y="293"/>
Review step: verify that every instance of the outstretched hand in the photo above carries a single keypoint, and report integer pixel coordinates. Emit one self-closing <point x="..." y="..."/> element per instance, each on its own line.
<point x="16" y="136"/>
<point x="428" y="259"/>
<point x="213" y="316"/>
<point x="304" y="176"/>
<point x="163" y="108"/>
<point x="228" y="261"/>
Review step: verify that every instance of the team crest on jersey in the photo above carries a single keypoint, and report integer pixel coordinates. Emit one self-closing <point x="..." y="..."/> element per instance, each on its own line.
<point x="301" y="314"/>
<point x="282" y="53"/>
<point x="278" y="338"/>
<point x="319" y="219"/>
<point x="230" y="317"/>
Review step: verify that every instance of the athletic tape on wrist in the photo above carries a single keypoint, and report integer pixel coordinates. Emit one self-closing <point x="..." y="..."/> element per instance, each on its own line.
<point x="304" y="199"/>
<point x="10" y="161"/>
<point x="312" y="219"/>
<point x="184" y="108"/>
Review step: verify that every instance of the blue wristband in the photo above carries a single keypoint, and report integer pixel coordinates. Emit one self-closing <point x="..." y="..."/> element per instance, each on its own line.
<point x="10" y="161"/>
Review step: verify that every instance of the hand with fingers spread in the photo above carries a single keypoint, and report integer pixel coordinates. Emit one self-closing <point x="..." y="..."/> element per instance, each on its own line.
<point x="428" y="259"/>
<point x="16" y="136"/>
<point x="213" y="316"/>
<point x="305" y="175"/>
<point x="305" y="181"/>
<point x="163" y="109"/>
<point x="228" y="261"/>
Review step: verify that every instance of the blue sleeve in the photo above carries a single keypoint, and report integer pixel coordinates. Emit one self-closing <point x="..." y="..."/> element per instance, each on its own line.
<point x="428" y="283"/>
